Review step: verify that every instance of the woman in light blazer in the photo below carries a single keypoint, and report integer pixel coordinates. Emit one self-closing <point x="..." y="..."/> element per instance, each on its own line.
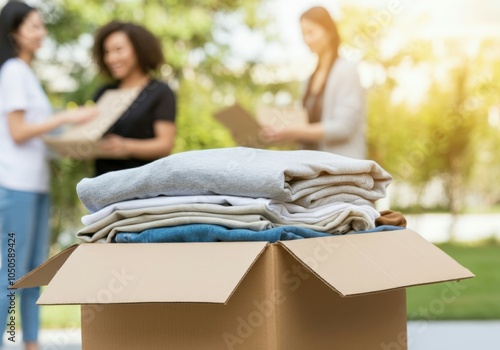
<point x="333" y="98"/>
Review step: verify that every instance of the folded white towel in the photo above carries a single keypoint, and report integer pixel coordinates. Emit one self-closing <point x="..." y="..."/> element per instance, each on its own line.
<point x="288" y="212"/>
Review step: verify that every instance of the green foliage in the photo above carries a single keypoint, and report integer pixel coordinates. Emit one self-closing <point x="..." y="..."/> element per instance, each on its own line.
<point x="388" y="135"/>
<point x="447" y="135"/>
<point x="182" y="26"/>
<point x="67" y="209"/>
<point x="197" y="129"/>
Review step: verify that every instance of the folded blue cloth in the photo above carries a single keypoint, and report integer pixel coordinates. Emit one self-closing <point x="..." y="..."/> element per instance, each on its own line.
<point x="382" y="228"/>
<point x="215" y="233"/>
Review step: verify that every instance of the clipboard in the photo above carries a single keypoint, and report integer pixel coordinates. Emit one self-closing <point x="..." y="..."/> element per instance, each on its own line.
<point x="245" y="128"/>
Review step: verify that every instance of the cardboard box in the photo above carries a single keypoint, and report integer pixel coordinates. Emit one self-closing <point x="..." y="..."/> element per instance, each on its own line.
<point x="82" y="141"/>
<point x="245" y="129"/>
<point x="338" y="292"/>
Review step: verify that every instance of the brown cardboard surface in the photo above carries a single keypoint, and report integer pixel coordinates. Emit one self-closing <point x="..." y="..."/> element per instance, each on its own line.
<point x="313" y="316"/>
<point x="142" y="273"/>
<point x="281" y="117"/>
<point x="245" y="323"/>
<point x="43" y="274"/>
<point x="81" y="141"/>
<point x="278" y="305"/>
<point x="246" y="295"/>
<point x="365" y="263"/>
<point x="243" y="127"/>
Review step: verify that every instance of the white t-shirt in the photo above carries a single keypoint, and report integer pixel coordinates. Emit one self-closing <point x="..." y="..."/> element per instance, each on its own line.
<point x="23" y="166"/>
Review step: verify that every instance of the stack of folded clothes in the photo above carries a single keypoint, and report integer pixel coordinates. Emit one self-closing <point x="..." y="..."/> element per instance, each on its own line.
<point x="236" y="194"/>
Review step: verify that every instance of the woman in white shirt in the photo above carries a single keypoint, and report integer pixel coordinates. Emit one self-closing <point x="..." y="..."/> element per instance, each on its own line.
<point x="25" y="115"/>
<point x="334" y="97"/>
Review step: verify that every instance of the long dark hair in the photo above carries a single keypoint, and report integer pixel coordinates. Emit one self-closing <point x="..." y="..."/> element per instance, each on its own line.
<point x="320" y="15"/>
<point x="146" y="46"/>
<point x="12" y="16"/>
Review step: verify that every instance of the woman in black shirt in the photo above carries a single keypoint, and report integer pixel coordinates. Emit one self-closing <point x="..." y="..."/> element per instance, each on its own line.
<point x="129" y="54"/>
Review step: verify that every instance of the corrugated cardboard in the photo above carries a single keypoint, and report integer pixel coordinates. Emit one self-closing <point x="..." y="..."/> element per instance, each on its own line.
<point x="245" y="129"/>
<point x="281" y="117"/>
<point x="377" y="262"/>
<point x="338" y="292"/>
<point x="167" y="272"/>
<point x="82" y="141"/>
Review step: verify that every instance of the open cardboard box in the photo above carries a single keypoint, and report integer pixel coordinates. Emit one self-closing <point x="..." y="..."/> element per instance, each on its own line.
<point x="338" y="292"/>
<point x="246" y="129"/>
<point x="82" y="141"/>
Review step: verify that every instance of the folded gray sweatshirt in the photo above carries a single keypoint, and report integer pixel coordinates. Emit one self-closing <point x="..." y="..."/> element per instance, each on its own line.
<point x="308" y="178"/>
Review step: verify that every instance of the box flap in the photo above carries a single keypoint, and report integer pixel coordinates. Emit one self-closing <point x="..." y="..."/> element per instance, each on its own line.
<point x="42" y="275"/>
<point x="147" y="273"/>
<point x="357" y="264"/>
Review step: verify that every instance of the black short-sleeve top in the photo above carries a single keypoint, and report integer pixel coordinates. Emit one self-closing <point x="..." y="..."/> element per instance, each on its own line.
<point x="156" y="102"/>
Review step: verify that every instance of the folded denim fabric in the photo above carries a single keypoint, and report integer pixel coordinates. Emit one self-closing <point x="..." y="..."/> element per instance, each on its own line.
<point x="214" y="233"/>
<point x="255" y="217"/>
<point x="381" y="228"/>
<point x="288" y="212"/>
<point x="287" y="176"/>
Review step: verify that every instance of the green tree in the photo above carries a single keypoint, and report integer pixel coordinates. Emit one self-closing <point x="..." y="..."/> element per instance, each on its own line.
<point x="447" y="135"/>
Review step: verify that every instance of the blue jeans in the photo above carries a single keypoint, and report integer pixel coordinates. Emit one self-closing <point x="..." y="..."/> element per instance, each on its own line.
<point x="25" y="216"/>
<point x="215" y="233"/>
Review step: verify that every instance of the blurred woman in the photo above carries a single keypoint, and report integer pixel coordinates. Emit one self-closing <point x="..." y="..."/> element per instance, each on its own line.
<point x="129" y="54"/>
<point x="25" y="115"/>
<point x="334" y="97"/>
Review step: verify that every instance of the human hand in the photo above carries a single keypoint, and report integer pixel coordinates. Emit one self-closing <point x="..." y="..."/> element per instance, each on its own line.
<point x="114" y="146"/>
<point x="276" y="135"/>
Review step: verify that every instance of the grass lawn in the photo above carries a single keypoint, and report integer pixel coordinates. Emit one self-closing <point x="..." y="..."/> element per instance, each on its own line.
<point x="477" y="298"/>
<point x="472" y="299"/>
<point x="60" y="316"/>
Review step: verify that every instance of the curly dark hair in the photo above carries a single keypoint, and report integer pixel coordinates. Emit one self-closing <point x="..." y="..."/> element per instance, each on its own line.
<point x="146" y="46"/>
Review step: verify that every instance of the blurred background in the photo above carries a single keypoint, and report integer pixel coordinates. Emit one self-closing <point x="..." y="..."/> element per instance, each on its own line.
<point x="432" y="74"/>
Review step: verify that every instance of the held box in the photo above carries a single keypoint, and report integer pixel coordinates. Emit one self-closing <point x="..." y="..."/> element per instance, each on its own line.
<point x="82" y="141"/>
<point x="338" y="292"/>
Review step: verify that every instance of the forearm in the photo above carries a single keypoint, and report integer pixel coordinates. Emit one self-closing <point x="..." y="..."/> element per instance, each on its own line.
<point x="148" y="149"/>
<point x="22" y="131"/>
<point x="308" y="133"/>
